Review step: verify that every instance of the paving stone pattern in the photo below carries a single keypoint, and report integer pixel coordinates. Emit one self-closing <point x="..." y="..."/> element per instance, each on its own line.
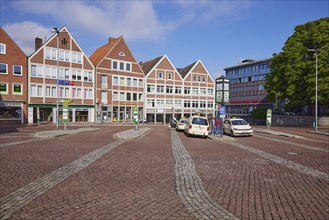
<point x="26" y="194"/>
<point x="284" y="162"/>
<point x="190" y="188"/>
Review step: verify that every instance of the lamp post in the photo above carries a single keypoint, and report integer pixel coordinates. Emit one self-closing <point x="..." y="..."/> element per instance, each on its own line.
<point x="57" y="89"/>
<point x="316" y="86"/>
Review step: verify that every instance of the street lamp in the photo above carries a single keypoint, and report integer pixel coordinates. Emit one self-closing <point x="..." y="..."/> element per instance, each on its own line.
<point x="316" y="86"/>
<point x="57" y="89"/>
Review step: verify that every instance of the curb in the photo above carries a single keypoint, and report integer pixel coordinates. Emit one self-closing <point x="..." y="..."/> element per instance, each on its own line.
<point x="57" y="133"/>
<point x="278" y="133"/>
<point x="131" y="134"/>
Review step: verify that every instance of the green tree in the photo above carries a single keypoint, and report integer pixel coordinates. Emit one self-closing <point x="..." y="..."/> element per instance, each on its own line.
<point x="259" y="114"/>
<point x="292" y="76"/>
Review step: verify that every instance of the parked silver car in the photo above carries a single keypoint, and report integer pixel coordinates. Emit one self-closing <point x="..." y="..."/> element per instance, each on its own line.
<point x="237" y="127"/>
<point x="181" y="124"/>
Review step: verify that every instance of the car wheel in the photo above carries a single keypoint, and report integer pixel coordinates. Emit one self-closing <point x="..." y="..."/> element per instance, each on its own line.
<point x="232" y="133"/>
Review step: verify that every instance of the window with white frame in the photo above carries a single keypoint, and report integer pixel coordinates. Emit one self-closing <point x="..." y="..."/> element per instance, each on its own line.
<point x="104" y="81"/>
<point x="51" y="53"/>
<point x="115" y="80"/>
<point x="128" y="96"/>
<point x="160" y="103"/>
<point x="115" y="65"/>
<point x="67" y="74"/>
<point x="140" y="83"/>
<point x="120" y="65"/>
<point x="195" y="104"/>
<point x="210" y="104"/>
<point x="122" y="81"/>
<point x="104" y="97"/>
<point x="178" y="90"/>
<point x="128" y="66"/>
<point x="48" y="72"/>
<point x="203" y="91"/>
<point x="128" y="81"/>
<point x="187" y="90"/>
<point x="87" y="93"/>
<point x="170" y="76"/>
<point x="79" y="75"/>
<point x="122" y="96"/>
<point x="79" y="58"/>
<point x="203" y="79"/>
<point x="169" y="89"/>
<point x="61" y="73"/>
<point x="76" y="93"/>
<point x="2" y="48"/>
<point x="178" y="104"/>
<point x="64" y="92"/>
<point x="134" y="96"/>
<point x="36" y="91"/>
<point x="36" y="70"/>
<point x="87" y="76"/>
<point x="17" y="70"/>
<point x="203" y="104"/>
<point x="140" y="97"/>
<point x="160" y="88"/>
<point x="160" y="75"/>
<point x="150" y="103"/>
<point x="51" y="91"/>
<point x="169" y="103"/>
<point x="194" y="78"/>
<point x="61" y="55"/>
<point x="150" y="88"/>
<point x="210" y="92"/>
<point x="134" y="82"/>
<point x="17" y="89"/>
<point x="3" y="68"/>
<point x="195" y="91"/>
<point x="3" y="88"/>
<point x="187" y="103"/>
<point x="67" y="55"/>
<point x="115" y="96"/>
<point x="74" y="57"/>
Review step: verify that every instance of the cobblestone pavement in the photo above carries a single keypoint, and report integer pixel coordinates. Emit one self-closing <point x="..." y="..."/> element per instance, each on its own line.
<point x="256" y="186"/>
<point x="190" y="188"/>
<point x="163" y="175"/>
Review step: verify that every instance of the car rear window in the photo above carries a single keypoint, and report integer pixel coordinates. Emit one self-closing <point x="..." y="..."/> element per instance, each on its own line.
<point x="239" y="122"/>
<point x="199" y="121"/>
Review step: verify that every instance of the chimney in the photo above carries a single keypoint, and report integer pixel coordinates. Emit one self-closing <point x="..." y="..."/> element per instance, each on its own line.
<point x="38" y="43"/>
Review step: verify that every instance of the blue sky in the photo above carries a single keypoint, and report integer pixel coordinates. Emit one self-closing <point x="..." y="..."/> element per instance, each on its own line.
<point x="219" y="33"/>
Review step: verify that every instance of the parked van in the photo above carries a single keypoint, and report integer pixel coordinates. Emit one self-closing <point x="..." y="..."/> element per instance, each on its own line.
<point x="197" y="126"/>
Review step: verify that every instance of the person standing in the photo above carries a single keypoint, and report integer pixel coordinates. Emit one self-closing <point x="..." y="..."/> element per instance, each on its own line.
<point x="217" y="125"/>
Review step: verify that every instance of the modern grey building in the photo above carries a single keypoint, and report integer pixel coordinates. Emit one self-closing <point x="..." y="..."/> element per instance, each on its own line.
<point x="247" y="87"/>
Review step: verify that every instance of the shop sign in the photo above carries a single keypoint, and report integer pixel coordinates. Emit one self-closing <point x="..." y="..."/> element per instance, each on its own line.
<point x="65" y="82"/>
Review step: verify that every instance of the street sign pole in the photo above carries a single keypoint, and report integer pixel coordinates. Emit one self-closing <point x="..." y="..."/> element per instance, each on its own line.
<point x="135" y="117"/>
<point x="268" y="118"/>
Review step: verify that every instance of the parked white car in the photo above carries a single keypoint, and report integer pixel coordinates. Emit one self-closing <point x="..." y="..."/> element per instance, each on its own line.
<point x="197" y="126"/>
<point x="237" y="127"/>
<point x="181" y="124"/>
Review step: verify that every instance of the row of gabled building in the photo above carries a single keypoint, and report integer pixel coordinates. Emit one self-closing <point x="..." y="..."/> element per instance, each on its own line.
<point x="108" y="86"/>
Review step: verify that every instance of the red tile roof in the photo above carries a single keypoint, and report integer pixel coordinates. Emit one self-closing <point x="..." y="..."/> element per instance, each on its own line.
<point x="102" y="51"/>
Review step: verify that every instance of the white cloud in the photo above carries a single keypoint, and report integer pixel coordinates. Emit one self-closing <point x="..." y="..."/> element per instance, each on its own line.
<point x="24" y="34"/>
<point x="135" y="20"/>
